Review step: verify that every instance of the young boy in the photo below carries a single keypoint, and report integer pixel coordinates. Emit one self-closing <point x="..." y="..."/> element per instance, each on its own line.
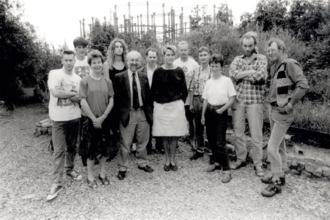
<point x="81" y="67"/>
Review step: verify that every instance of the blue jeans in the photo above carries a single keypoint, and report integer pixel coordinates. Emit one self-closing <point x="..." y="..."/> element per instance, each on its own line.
<point x="216" y="127"/>
<point x="254" y="114"/>
<point x="64" y="136"/>
<point x="279" y="124"/>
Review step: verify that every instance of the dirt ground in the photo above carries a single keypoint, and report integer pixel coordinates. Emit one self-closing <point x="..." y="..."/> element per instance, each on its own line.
<point x="189" y="193"/>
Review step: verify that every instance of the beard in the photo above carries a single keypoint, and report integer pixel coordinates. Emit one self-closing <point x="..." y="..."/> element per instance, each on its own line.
<point x="249" y="53"/>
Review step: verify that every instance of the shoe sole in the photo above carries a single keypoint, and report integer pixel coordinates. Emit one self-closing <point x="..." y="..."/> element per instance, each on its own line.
<point x="55" y="195"/>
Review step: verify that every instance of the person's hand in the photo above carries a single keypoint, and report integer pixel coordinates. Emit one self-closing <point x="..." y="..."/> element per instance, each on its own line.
<point x="98" y="122"/>
<point x="282" y="110"/>
<point x="203" y="120"/>
<point x="191" y="108"/>
<point x="219" y="111"/>
<point x="288" y="108"/>
<point x="75" y="98"/>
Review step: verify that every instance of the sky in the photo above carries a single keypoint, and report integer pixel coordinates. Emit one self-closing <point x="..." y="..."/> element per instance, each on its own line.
<point x="57" y="21"/>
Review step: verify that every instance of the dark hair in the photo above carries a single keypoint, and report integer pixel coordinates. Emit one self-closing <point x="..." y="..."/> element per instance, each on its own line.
<point x="152" y="50"/>
<point x="67" y="52"/>
<point x="94" y="54"/>
<point x="203" y="48"/>
<point x="80" y="41"/>
<point x="217" y="58"/>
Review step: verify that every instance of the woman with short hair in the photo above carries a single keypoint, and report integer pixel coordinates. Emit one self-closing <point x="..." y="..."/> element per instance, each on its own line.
<point x="169" y="91"/>
<point x="219" y="95"/>
<point x="96" y="93"/>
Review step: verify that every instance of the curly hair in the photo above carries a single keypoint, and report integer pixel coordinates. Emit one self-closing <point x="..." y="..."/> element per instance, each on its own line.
<point x="111" y="51"/>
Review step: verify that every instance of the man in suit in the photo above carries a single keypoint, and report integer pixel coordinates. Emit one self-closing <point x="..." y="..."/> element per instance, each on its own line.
<point x="148" y="69"/>
<point x="132" y="100"/>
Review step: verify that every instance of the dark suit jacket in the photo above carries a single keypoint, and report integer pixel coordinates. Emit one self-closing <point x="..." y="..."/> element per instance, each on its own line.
<point x="144" y="70"/>
<point x="122" y="96"/>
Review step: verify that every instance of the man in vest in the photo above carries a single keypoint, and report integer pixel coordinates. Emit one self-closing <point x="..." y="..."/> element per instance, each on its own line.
<point x="288" y="86"/>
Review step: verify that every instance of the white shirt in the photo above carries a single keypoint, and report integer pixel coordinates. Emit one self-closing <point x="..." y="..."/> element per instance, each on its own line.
<point x="218" y="92"/>
<point x="186" y="66"/>
<point x="81" y="67"/>
<point x="63" y="109"/>
<point x="137" y="79"/>
<point x="150" y="73"/>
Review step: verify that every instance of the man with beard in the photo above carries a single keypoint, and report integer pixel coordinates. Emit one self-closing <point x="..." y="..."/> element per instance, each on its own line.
<point x="249" y="74"/>
<point x="288" y="85"/>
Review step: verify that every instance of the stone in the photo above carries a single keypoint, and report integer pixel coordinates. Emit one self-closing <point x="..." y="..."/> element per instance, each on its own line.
<point x="310" y="167"/>
<point x="294" y="164"/>
<point x="326" y="171"/>
<point x="305" y="173"/>
<point x="318" y="172"/>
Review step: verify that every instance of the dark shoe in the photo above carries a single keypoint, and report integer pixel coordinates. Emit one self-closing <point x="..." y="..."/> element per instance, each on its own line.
<point x="174" y="167"/>
<point x="267" y="179"/>
<point x="146" y="169"/>
<point x="74" y="175"/>
<point x="149" y="152"/>
<point x="55" y="190"/>
<point x="121" y="175"/>
<point x="226" y="177"/>
<point x="272" y="189"/>
<point x="167" y="168"/>
<point x="211" y="160"/>
<point x="238" y="164"/>
<point x="104" y="180"/>
<point x="91" y="184"/>
<point x="96" y="161"/>
<point x="196" y="156"/>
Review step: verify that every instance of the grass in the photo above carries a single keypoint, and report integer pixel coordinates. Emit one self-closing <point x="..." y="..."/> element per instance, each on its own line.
<point x="189" y="193"/>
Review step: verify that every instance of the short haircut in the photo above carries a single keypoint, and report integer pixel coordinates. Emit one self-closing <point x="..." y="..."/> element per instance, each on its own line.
<point x="80" y="41"/>
<point x="203" y="48"/>
<point x="169" y="47"/>
<point x="250" y="34"/>
<point x="280" y="44"/>
<point x="217" y="58"/>
<point x="133" y="52"/>
<point x="182" y="43"/>
<point x="152" y="50"/>
<point x="94" y="54"/>
<point x="67" y="52"/>
<point x="111" y="51"/>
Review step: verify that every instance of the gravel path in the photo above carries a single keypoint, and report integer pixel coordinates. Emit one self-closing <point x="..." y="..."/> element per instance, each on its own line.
<point x="189" y="193"/>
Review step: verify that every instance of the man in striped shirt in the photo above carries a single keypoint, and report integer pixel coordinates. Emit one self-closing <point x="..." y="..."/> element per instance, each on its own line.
<point x="249" y="73"/>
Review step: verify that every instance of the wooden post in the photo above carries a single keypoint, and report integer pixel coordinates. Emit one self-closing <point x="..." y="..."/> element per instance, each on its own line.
<point x="80" y="28"/>
<point x="137" y="26"/>
<point x="173" y="24"/>
<point x="164" y="28"/>
<point x="84" y="33"/>
<point x="141" y="23"/>
<point x="155" y="22"/>
<point x="129" y="17"/>
<point x="169" y="24"/>
<point x="105" y="21"/>
<point x="185" y="27"/>
<point x="93" y="21"/>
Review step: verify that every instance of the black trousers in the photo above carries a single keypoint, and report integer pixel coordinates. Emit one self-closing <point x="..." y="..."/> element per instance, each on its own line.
<point x="216" y="126"/>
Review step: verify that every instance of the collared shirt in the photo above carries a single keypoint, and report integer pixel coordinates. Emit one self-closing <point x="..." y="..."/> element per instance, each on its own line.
<point x="251" y="89"/>
<point x="150" y="73"/>
<point x="197" y="78"/>
<point x="130" y="77"/>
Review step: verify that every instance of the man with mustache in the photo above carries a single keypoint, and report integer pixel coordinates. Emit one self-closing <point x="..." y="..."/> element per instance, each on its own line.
<point x="133" y="102"/>
<point x="249" y="74"/>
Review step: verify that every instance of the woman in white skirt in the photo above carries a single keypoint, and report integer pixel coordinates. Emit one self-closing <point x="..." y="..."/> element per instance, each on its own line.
<point x="169" y="91"/>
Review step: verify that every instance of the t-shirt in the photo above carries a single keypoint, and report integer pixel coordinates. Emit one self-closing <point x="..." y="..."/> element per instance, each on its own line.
<point x="187" y="66"/>
<point x="61" y="109"/>
<point x="97" y="94"/>
<point x="81" y="68"/>
<point x="218" y="92"/>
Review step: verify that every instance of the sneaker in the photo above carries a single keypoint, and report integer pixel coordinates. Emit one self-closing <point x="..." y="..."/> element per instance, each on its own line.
<point x="212" y="168"/>
<point x="259" y="171"/>
<point x="272" y="189"/>
<point x="268" y="179"/>
<point x="54" y="191"/>
<point x="226" y="177"/>
<point x="238" y="164"/>
<point x="74" y="175"/>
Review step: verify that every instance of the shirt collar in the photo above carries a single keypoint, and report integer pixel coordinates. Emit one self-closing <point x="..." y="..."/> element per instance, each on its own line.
<point x="130" y="73"/>
<point x="148" y="68"/>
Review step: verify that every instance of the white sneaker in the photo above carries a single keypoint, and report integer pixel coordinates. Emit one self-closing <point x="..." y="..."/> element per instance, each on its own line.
<point x="54" y="191"/>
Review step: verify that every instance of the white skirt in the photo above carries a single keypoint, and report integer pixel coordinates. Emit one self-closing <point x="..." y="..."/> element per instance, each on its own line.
<point x="169" y="119"/>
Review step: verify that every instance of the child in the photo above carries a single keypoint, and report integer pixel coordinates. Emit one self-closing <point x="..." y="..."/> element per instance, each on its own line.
<point x="81" y="67"/>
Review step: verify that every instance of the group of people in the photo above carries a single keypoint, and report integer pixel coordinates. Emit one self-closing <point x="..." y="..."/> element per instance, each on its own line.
<point x="117" y="96"/>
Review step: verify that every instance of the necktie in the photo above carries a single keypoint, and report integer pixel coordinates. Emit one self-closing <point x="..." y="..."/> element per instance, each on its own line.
<point x="136" y="103"/>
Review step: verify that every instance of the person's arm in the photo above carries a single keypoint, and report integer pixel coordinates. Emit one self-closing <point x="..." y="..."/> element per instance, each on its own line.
<point x="184" y="90"/>
<point x="99" y="121"/>
<point x="260" y="74"/>
<point x="227" y="105"/>
<point x="203" y="111"/>
<point x="235" y="72"/>
<point x="106" y="70"/>
<point x="63" y="94"/>
<point x="53" y="82"/>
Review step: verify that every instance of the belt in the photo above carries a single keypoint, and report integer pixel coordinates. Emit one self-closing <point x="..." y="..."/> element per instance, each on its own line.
<point x="138" y="109"/>
<point x="214" y="107"/>
<point x="197" y="95"/>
